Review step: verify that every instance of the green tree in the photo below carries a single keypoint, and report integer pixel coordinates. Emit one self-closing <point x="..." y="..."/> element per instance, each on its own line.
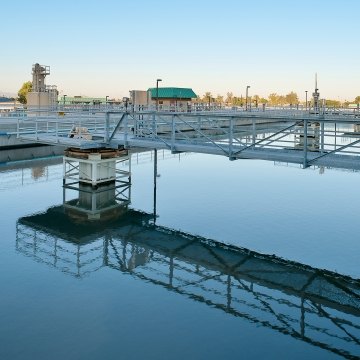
<point x="25" y="89"/>
<point x="256" y="100"/>
<point x="292" y="98"/>
<point x="236" y="101"/>
<point x="229" y="98"/>
<point x="219" y="99"/>
<point x="207" y="98"/>
<point x="274" y="99"/>
<point x="282" y="100"/>
<point x="333" y="103"/>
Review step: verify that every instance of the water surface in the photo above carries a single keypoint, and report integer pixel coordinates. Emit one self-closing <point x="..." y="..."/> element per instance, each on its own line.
<point x="201" y="282"/>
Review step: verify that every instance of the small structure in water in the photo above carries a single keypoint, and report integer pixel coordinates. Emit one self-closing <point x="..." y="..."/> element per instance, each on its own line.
<point x="93" y="166"/>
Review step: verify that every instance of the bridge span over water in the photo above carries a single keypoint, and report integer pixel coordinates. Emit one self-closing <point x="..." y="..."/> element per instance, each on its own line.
<point x="322" y="139"/>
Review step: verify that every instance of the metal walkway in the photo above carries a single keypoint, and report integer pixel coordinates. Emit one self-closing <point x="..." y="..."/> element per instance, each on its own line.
<point x="330" y="140"/>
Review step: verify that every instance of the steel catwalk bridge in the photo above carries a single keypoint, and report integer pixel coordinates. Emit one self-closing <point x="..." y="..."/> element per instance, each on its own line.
<point x="321" y="139"/>
<point x="319" y="307"/>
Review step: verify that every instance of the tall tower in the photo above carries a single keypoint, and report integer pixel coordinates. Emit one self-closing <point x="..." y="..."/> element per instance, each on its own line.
<point x="41" y="96"/>
<point x="316" y="96"/>
<point x="39" y="73"/>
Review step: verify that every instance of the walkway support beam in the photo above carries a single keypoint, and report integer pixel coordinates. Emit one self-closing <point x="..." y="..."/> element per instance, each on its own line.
<point x="117" y="125"/>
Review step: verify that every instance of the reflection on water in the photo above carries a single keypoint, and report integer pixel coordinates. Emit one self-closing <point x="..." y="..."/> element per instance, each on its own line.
<point x="319" y="307"/>
<point x="18" y="174"/>
<point x="38" y="172"/>
<point x="98" y="204"/>
<point x="94" y="267"/>
<point x="311" y="139"/>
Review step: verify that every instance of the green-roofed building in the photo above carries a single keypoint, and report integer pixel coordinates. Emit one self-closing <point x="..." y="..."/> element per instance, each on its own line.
<point x="172" y="97"/>
<point x="166" y="93"/>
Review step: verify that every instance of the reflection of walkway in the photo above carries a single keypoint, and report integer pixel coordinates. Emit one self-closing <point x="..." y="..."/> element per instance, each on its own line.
<point x="19" y="174"/>
<point x="319" y="307"/>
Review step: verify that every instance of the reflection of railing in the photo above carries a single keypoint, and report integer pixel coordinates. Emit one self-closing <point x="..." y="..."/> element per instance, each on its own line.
<point x="21" y="174"/>
<point x="321" y="169"/>
<point x="146" y="157"/>
<point x="71" y="258"/>
<point x="240" y="292"/>
<point x="26" y="173"/>
<point x="319" y="307"/>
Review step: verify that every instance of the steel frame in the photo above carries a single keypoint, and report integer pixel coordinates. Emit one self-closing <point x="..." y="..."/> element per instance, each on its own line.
<point x="72" y="172"/>
<point x="232" y="135"/>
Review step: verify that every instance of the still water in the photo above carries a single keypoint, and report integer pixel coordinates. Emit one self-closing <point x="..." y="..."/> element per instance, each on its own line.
<point x="244" y="259"/>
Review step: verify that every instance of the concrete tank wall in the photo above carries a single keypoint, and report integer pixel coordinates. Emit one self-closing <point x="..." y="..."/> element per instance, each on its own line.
<point x="38" y="99"/>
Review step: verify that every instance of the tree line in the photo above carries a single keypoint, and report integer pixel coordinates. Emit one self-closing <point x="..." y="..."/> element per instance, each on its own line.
<point x="273" y="99"/>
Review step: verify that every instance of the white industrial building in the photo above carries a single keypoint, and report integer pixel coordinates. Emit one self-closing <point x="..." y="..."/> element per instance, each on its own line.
<point x="41" y="96"/>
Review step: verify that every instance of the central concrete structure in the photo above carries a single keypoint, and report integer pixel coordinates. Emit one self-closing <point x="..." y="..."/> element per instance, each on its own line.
<point x="95" y="167"/>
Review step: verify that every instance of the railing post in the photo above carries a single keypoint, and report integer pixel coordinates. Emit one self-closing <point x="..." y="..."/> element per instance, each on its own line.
<point x="136" y="121"/>
<point x="126" y="130"/>
<point x="322" y="136"/>
<point x="198" y="127"/>
<point x="18" y="128"/>
<point x="36" y="130"/>
<point x="173" y="133"/>
<point x="154" y="126"/>
<point x="155" y="178"/>
<point x="253" y="131"/>
<point x="107" y="127"/>
<point x="305" y="144"/>
<point x="231" y="138"/>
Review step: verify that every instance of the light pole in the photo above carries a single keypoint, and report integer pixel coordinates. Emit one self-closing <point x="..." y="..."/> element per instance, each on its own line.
<point x="106" y="97"/>
<point x="247" y="89"/>
<point x="306" y="104"/>
<point x="157" y="93"/>
<point x="64" y="99"/>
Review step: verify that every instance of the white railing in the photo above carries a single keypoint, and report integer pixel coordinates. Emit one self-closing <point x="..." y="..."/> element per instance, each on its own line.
<point x="225" y="133"/>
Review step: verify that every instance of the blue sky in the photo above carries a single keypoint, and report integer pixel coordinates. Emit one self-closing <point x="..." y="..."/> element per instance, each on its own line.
<point x="108" y="47"/>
